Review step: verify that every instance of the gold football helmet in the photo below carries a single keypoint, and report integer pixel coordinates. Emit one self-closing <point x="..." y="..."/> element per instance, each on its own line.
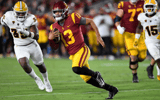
<point x="20" y="10"/>
<point x="150" y="7"/>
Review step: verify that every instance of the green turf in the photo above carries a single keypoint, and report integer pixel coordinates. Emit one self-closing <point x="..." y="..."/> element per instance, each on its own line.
<point x="16" y="85"/>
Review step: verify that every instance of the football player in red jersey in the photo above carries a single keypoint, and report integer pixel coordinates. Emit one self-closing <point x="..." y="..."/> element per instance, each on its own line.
<point x="71" y="35"/>
<point x="126" y="23"/>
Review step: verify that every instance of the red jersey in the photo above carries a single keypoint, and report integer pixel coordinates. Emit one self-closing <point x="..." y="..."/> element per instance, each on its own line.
<point x="71" y="34"/>
<point x="131" y="12"/>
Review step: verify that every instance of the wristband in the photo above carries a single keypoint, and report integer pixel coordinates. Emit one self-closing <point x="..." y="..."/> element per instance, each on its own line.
<point x="137" y="36"/>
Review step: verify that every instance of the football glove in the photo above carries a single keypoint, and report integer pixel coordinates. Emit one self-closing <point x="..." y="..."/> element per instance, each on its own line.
<point x="23" y="31"/>
<point x="135" y="42"/>
<point x="120" y="29"/>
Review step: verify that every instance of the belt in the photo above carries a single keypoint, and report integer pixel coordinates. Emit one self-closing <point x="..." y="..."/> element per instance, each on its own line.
<point x="26" y="44"/>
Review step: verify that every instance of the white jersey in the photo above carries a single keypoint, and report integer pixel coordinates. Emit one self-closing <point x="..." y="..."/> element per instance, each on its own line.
<point x="103" y="22"/>
<point x="9" y="19"/>
<point x="151" y="26"/>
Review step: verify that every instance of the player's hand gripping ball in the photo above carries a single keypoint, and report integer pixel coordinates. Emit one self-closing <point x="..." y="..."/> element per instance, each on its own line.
<point x="57" y="38"/>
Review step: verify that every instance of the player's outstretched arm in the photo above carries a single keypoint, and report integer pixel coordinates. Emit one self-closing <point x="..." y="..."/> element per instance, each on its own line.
<point x="93" y="25"/>
<point x="117" y="21"/>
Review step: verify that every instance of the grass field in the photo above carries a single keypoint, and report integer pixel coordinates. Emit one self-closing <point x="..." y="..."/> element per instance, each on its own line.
<point x="16" y="85"/>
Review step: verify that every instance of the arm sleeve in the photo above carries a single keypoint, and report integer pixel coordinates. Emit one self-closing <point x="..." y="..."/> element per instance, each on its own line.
<point x="82" y="21"/>
<point x="54" y="45"/>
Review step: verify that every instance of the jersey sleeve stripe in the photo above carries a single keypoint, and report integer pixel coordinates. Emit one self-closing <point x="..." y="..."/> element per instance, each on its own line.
<point x="51" y="28"/>
<point x="73" y="17"/>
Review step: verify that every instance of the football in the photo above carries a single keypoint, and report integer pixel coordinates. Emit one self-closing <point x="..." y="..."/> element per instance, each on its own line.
<point x="57" y="39"/>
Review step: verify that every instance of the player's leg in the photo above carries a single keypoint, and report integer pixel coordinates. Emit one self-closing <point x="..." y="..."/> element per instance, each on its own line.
<point x="95" y="82"/>
<point x="158" y="69"/>
<point x="37" y="58"/>
<point x="155" y="53"/>
<point x="133" y="67"/>
<point x="158" y="73"/>
<point x="132" y="52"/>
<point x="78" y="61"/>
<point x="150" y="69"/>
<point x="81" y="67"/>
<point x="23" y="59"/>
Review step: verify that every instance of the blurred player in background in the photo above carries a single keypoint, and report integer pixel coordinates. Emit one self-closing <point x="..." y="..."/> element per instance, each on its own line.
<point x="126" y="23"/>
<point x="68" y="26"/>
<point x="23" y="27"/>
<point x="104" y="23"/>
<point x="150" y="20"/>
<point x="92" y="40"/>
<point x="118" y="45"/>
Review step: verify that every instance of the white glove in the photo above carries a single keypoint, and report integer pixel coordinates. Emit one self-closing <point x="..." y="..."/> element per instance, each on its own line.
<point x="120" y="29"/>
<point x="23" y="31"/>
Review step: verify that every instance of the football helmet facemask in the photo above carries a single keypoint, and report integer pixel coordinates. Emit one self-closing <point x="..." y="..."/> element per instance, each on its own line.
<point x="20" y="10"/>
<point x="62" y="8"/>
<point x="150" y="7"/>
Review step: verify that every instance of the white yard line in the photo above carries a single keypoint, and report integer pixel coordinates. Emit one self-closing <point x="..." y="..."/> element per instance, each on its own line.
<point x="76" y="93"/>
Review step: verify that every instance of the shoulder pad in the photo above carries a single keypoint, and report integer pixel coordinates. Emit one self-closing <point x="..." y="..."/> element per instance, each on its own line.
<point x="6" y="17"/>
<point x="120" y="5"/>
<point x="31" y="19"/>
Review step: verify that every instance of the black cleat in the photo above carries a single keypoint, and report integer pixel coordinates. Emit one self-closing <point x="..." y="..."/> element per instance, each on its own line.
<point x="150" y="72"/>
<point x="112" y="93"/>
<point x="100" y="79"/>
<point x="135" y="79"/>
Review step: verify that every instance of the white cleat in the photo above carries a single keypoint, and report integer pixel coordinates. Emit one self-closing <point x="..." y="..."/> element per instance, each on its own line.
<point x="40" y="83"/>
<point x="48" y="86"/>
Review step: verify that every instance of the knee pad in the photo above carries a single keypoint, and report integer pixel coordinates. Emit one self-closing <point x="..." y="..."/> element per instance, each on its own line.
<point x="133" y="63"/>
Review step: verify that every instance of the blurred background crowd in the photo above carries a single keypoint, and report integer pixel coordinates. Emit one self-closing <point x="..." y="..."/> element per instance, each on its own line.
<point x="101" y="11"/>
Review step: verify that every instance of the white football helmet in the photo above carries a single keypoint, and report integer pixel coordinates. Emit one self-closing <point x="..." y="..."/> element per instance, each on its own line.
<point x="20" y="10"/>
<point x="150" y="7"/>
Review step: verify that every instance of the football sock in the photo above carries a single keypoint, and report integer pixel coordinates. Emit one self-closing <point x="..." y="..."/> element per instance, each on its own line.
<point x="134" y="74"/>
<point x="33" y="74"/>
<point x="84" y="71"/>
<point x="94" y="82"/>
<point x="45" y="76"/>
<point x="158" y="70"/>
<point x="151" y="65"/>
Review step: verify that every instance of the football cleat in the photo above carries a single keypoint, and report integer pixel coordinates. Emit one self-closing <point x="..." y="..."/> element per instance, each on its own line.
<point x="135" y="79"/>
<point x="158" y="77"/>
<point x="150" y="72"/>
<point x="100" y="79"/>
<point x="48" y="86"/>
<point x="39" y="83"/>
<point x="112" y="93"/>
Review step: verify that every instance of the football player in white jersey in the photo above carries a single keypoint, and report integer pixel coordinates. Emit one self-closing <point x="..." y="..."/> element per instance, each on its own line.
<point x="150" y="21"/>
<point x="23" y="27"/>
